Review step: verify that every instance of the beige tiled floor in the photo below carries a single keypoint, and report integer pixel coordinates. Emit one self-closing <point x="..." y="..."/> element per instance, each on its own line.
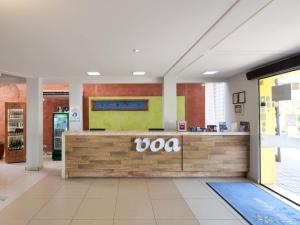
<point x="14" y="181"/>
<point x="124" y="201"/>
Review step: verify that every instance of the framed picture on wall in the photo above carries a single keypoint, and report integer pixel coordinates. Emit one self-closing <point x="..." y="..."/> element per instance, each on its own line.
<point x="242" y="97"/>
<point x="239" y="109"/>
<point x="235" y="98"/>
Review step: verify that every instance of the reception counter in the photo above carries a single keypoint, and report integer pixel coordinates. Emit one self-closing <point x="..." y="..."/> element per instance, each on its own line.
<point x="155" y="154"/>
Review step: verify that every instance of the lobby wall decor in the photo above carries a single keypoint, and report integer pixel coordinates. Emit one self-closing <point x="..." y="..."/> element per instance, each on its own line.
<point x="132" y="120"/>
<point x="194" y="98"/>
<point x="120" y="105"/>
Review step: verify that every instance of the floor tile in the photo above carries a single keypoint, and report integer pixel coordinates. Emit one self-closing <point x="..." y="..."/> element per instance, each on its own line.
<point x="163" y="189"/>
<point x="209" y="209"/>
<point x="13" y="221"/>
<point x="96" y="208"/>
<point x="102" y="192"/>
<point x="23" y="208"/>
<point x="177" y="222"/>
<point x="72" y="191"/>
<point x="43" y="189"/>
<point x="244" y="222"/>
<point x="59" y="208"/>
<point x="134" y="209"/>
<point x="192" y="188"/>
<point x="49" y="222"/>
<point x="92" y="222"/>
<point x="132" y="182"/>
<point x="220" y="222"/>
<point x="134" y="222"/>
<point x="171" y="209"/>
<point x="105" y="181"/>
<point x="131" y="188"/>
<point x="130" y="192"/>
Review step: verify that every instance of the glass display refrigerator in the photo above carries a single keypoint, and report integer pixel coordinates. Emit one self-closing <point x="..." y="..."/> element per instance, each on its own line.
<point x="60" y="124"/>
<point x="15" y="132"/>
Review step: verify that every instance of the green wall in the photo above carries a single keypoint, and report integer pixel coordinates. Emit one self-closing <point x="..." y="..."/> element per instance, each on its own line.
<point x="133" y="120"/>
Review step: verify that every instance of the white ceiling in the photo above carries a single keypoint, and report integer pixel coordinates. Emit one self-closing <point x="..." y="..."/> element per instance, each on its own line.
<point x="66" y="38"/>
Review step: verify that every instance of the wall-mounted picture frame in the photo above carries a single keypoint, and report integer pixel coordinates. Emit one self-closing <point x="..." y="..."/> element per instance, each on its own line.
<point x="235" y="98"/>
<point x="242" y="97"/>
<point x="239" y="109"/>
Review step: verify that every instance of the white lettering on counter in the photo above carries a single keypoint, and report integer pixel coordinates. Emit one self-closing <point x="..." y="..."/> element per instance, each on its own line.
<point x="170" y="145"/>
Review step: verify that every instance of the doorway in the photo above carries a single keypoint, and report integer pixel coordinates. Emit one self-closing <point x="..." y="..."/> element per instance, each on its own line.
<point x="280" y="134"/>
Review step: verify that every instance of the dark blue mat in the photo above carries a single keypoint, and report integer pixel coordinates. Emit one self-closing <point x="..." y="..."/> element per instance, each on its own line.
<point x="257" y="206"/>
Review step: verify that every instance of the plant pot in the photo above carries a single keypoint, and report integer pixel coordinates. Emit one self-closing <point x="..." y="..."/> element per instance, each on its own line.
<point x="1" y="150"/>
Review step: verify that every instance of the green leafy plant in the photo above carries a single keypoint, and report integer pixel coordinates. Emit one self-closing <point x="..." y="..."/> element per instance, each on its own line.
<point x="16" y="144"/>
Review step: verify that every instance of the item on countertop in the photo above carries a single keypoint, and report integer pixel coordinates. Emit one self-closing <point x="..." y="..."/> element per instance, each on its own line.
<point x="223" y="127"/>
<point x="244" y="126"/>
<point x="181" y="125"/>
<point x="234" y="127"/>
<point x="212" y="128"/>
<point x="197" y="129"/>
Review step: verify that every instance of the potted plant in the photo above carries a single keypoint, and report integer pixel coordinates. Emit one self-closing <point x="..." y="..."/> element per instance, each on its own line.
<point x="1" y="149"/>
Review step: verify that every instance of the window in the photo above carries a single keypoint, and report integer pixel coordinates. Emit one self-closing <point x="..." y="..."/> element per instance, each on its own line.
<point x="214" y="103"/>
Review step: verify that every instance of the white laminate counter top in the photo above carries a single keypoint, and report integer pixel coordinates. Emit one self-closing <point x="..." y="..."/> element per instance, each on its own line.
<point x="152" y="133"/>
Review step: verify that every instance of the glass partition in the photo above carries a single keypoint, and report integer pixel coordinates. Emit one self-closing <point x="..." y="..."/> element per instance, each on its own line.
<point x="280" y="134"/>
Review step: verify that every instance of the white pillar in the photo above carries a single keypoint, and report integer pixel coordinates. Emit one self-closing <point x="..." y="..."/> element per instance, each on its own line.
<point x="75" y="101"/>
<point x="34" y="124"/>
<point x="169" y="103"/>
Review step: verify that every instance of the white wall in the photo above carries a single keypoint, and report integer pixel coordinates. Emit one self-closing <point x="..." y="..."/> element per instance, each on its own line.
<point x="251" y="114"/>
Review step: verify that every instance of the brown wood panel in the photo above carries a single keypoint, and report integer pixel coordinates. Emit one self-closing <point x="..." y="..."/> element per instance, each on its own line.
<point x="101" y="155"/>
<point x="116" y="154"/>
<point x="217" y="153"/>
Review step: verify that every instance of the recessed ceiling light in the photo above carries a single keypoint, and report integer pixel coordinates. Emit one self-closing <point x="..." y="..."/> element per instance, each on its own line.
<point x="136" y="50"/>
<point x="138" y="73"/>
<point x="210" y="72"/>
<point x="93" y="73"/>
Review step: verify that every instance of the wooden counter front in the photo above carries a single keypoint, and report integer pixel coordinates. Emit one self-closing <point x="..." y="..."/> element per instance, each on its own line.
<point x="113" y="154"/>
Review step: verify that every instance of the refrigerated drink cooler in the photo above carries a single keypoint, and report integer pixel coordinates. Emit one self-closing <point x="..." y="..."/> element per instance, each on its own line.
<point x="60" y="124"/>
<point x="15" y="132"/>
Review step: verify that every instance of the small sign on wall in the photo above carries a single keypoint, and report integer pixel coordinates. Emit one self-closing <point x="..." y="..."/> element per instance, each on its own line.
<point x="74" y="114"/>
<point x="282" y="92"/>
<point x="239" y="109"/>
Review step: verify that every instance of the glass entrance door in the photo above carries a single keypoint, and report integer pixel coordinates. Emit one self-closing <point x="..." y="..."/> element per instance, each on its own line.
<point x="280" y="134"/>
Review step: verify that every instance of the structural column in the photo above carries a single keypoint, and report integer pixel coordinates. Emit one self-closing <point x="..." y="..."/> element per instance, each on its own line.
<point x="169" y="103"/>
<point x="75" y="101"/>
<point x="34" y="124"/>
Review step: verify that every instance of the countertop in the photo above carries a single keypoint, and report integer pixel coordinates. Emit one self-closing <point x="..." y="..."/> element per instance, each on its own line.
<point x="152" y="133"/>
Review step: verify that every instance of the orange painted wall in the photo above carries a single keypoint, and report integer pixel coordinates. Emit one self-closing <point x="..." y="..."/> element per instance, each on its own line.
<point x="195" y="103"/>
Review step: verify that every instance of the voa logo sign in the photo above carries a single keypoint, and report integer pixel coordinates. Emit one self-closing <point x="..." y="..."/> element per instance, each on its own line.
<point x="170" y="145"/>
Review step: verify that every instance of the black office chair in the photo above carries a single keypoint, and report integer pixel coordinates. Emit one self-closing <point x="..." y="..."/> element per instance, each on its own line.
<point x="97" y="129"/>
<point x="156" y="129"/>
